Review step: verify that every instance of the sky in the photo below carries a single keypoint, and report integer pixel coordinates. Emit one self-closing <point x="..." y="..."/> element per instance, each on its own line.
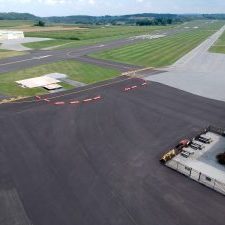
<point x="110" y="7"/>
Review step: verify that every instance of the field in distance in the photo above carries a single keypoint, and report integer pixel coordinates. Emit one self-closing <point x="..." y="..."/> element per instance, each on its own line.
<point x="7" y="54"/>
<point x="161" y="52"/>
<point x="90" y="35"/>
<point x="11" y="24"/>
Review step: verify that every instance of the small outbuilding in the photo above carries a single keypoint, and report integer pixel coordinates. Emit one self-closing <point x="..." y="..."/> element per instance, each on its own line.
<point x="10" y="35"/>
<point x="37" y="82"/>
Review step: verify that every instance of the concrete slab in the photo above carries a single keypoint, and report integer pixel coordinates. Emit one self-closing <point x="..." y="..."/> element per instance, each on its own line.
<point x="209" y="85"/>
<point x="16" y="44"/>
<point x="56" y="75"/>
<point x="73" y="82"/>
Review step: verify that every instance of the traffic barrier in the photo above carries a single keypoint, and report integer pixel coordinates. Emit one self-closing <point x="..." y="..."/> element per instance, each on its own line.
<point x="87" y="100"/>
<point x="38" y="97"/>
<point x="127" y="89"/>
<point x="59" y="103"/>
<point x="97" y="97"/>
<point x="46" y="100"/>
<point x="133" y="87"/>
<point x="75" y="102"/>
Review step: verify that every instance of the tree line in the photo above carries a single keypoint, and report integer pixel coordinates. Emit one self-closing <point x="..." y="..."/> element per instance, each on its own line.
<point x="158" y="21"/>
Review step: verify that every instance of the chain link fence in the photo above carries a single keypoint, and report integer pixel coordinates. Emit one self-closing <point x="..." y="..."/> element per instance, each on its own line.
<point x="197" y="176"/>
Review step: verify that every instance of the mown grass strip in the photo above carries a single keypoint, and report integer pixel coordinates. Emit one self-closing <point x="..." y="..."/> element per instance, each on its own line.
<point x="157" y="53"/>
<point x="7" y="54"/>
<point x="219" y="46"/>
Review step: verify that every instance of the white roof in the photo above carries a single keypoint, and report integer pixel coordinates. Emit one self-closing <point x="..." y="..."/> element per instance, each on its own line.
<point x="53" y="86"/>
<point x="37" y="82"/>
<point x="10" y="32"/>
<point x="56" y="75"/>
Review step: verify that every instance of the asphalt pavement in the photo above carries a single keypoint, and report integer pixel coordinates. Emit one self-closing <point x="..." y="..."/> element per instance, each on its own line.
<point x="36" y="58"/>
<point x="98" y="162"/>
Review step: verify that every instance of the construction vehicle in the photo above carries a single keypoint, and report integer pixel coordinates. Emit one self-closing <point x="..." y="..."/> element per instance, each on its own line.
<point x="168" y="156"/>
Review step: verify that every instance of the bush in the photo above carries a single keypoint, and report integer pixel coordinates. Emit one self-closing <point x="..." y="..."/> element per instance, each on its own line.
<point x="221" y="158"/>
<point x="40" y="23"/>
<point x="74" y="38"/>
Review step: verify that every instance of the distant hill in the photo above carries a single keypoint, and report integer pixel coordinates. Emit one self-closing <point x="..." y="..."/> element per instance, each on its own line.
<point x="127" y="19"/>
<point x="17" y="16"/>
<point x="141" y="19"/>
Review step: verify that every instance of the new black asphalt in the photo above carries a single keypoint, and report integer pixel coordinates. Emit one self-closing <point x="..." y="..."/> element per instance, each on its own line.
<point x="98" y="163"/>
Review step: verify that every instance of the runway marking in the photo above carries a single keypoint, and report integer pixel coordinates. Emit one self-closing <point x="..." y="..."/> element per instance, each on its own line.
<point x="46" y="100"/>
<point x="70" y="102"/>
<point x="135" y="86"/>
<point x="99" y="97"/>
<point x="25" y="60"/>
<point x="42" y="57"/>
<point x="76" y="92"/>
<point x="87" y="100"/>
<point x="100" y="46"/>
<point x="75" y="102"/>
<point x="82" y="49"/>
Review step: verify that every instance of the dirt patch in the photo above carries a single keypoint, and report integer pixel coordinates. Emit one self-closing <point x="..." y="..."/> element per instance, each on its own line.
<point x="55" y="28"/>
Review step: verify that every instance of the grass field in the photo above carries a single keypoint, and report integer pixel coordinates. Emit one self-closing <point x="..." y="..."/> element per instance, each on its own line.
<point x="157" y="53"/>
<point x="219" y="46"/>
<point x="93" y="35"/>
<point x="46" y="44"/>
<point x="97" y="34"/>
<point x="205" y="24"/>
<point x="14" y="23"/>
<point x="7" y="54"/>
<point x="85" y="73"/>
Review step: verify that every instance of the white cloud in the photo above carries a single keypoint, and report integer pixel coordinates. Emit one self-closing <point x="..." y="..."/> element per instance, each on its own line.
<point x="54" y="2"/>
<point x="110" y="7"/>
<point x="92" y="2"/>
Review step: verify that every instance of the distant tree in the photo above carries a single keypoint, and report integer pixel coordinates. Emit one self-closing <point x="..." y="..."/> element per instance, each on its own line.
<point x="145" y="22"/>
<point x="169" y="21"/>
<point x="160" y="21"/>
<point x="221" y="158"/>
<point x="40" y="23"/>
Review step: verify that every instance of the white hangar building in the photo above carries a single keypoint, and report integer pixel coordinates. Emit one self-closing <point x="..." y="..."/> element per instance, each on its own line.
<point x="9" y="34"/>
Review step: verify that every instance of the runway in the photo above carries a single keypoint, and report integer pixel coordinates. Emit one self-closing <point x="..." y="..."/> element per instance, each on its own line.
<point x="35" y="58"/>
<point x="98" y="163"/>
